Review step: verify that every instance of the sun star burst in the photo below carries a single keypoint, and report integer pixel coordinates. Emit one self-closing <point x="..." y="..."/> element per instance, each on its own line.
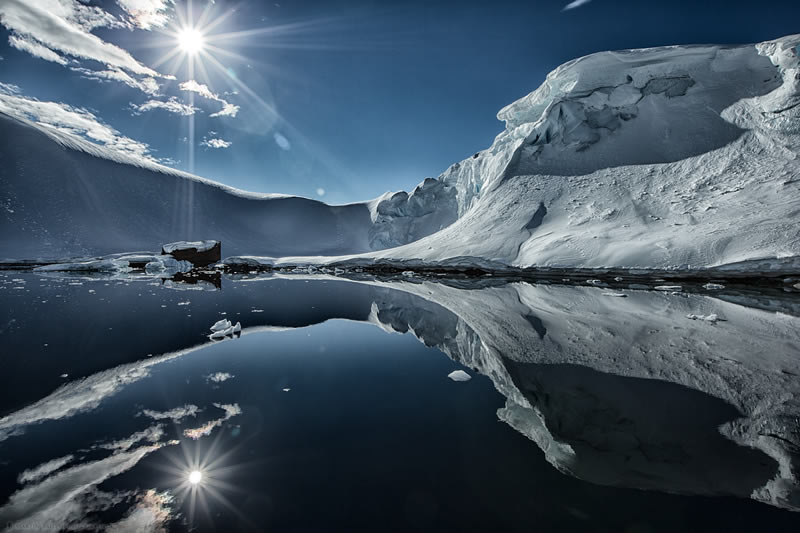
<point x="191" y="40"/>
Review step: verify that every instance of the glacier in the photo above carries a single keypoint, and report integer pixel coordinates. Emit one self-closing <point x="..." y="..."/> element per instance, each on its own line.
<point x="678" y="157"/>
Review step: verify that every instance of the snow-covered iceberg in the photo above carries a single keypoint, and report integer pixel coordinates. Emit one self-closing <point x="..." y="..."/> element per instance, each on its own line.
<point x="674" y="157"/>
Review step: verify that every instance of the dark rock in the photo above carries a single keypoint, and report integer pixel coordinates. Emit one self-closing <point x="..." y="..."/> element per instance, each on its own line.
<point x="199" y="253"/>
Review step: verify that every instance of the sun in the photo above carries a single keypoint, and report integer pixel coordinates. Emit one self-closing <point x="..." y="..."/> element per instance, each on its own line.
<point x="190" y="40"/>
<point x="195" y="476"/>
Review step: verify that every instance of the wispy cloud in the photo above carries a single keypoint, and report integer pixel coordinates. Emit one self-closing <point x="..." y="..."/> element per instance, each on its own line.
<point x="151" y="514"/>
<point x="576" y="3"/>
<point x="26" y="44"/>
<point x="215" y="143"/>
<point x="146" y="14"/>
<point x="57" y="500"/>
<point x="68" y="119"/>
<point x="65" y="26"/>
<point x="44" y="469"/>
<point x="231" y="410"/>
<point x="146" y="85"/>
<point x="228" y="109"/>
<point x="151" y="434"/>
<point x="176" y="414"/>
<point x="172" y="105"/>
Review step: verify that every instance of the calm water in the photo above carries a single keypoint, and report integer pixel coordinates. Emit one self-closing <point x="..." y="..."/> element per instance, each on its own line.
<point x="333" y="410"/>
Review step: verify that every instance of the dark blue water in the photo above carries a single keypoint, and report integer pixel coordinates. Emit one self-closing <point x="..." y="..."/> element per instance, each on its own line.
<point x="314" y="419"/>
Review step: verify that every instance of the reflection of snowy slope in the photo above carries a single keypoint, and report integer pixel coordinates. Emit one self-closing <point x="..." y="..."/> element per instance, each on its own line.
<point x="529" y="338"/>
<point x="618" y="391"/>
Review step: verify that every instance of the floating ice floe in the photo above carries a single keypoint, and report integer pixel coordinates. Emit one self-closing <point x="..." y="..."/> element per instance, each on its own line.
<point x="459" y="375"/>
<point x="669" y="288"/>
<point x="713" y="286"/>
<point x="98" y="265"/>
<point x="224" y="328"/>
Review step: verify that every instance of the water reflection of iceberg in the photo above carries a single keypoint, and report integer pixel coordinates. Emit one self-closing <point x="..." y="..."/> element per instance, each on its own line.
<point x="596" y="381"/>
<point x="617" y="391"/>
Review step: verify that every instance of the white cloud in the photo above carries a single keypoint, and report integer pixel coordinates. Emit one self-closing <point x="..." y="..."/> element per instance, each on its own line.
<point x="44" y="469"/>
<point x="576" y="3"/>
<point x="65" y="26"/>
<point x="215" y="143"/>
<point x="151" y="513"/>
<point x="172" y="105"/>
<point x="26" y="44"/>
<point x="228" y="109"/>
<point x="68" y="119"/>
<point x="146" y="85"/>
<point x="146" y="14"/>
<point x="175" y="414"/>
<point x="82" y="395"/>
<point x="56" y="500"/>
<point x="219" y="377"/>
<point x="151" y="434"/>
<point x="231" y="410"/>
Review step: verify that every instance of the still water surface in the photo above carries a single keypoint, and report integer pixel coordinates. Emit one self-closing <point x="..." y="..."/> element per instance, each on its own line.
<point x="333" y="410"/>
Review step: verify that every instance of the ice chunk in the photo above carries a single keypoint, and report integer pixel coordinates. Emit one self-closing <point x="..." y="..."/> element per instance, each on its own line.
<point x="669" y="288"/>
<point x="713" y="286"/>
<point x="459" y="375"/>
<point x="713" y="318"/>
<point x="98" y="265"/>
<point x="221" y="325"/>
<point x="222" y="333"/>
<point x="200" y="246"/>
<point x="224" y="328"/>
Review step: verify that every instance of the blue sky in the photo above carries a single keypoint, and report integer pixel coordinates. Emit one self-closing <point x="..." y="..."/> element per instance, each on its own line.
<point x="330" y="99"/>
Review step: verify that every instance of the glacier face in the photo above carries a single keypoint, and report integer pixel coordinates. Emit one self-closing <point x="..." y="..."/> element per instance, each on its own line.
<point x="671" y="157"/>
<point x="683" y="156"/>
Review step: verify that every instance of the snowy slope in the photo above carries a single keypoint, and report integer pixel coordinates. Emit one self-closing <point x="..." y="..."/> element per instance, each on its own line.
<point x="644" y="158"/>
<point x="62" y="196"/>
<point x="682" y="156"/>
<point x="666" y="157"/>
